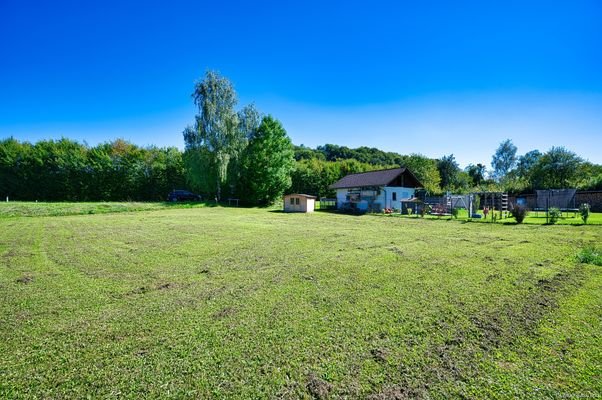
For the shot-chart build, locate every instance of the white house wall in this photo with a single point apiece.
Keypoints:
(341, 197)
(403, 193)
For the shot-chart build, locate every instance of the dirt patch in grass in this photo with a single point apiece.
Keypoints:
(396, 250)
(224, 313)
(380, 354)
(26, 279)
(502, 326)
(164, 286)
(397, 393)
(456, 358)
(318, 388)
(146, 289)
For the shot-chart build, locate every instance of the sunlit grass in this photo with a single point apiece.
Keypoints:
(212, 302)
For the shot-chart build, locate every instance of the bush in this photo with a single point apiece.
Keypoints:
(454, 212)
(590, 255)
(554, 214)
(584, 211)
(519, 213)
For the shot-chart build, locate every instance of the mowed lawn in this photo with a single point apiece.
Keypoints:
(251, 303)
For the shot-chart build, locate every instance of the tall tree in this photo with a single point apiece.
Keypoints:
(526, 163)
(448, 170)
(556, 169)
(269, 160)
(216, 128)
(476, 173)
(249, 118)
(503, 160)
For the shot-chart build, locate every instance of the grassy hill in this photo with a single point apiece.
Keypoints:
(249, 303)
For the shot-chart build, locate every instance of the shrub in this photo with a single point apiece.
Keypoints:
(584, 211)
(519, 213)
(590, 255)
(554, 214)
(454, 212)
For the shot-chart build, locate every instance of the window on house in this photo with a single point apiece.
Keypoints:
(292, 200)
(297, 201)
(394, 194)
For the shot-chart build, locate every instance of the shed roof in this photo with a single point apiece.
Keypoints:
(375, 178)
(309, 196)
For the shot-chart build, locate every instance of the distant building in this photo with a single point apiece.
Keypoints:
(376, 190)
(299, 203)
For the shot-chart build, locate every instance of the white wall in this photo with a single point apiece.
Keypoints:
(341, 197)
(403, 193)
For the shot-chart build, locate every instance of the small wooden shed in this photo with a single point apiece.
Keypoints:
(299, 203)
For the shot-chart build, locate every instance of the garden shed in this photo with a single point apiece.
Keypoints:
(299, 203)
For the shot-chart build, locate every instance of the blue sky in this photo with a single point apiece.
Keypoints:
(412, 77)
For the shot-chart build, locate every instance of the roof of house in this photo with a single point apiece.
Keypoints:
(374, 178)
(309, 196)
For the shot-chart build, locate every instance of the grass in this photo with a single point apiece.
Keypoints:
(42, 209)
(249, 303)
(590, 255)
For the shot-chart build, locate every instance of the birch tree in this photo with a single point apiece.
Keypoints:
(215, 134)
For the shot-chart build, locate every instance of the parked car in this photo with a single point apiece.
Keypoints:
(183, 195)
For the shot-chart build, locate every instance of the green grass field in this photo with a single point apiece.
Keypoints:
(31, 209)
(212, 302)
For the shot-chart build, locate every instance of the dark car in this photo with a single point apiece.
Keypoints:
(183, 195)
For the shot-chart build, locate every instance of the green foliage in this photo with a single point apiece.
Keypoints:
(554, 215)
(589, 176)
(584, 211)
(366, 155)
(67, 170)
(313, 176)
(557, 169)
(216, 133)
(590, 255)
(448, 170)
(476, 173)
(423, 167)
(519, 213)
(201, 172)
(305, 153)
(268, 162)
(503, 160)
(454, 212)
(425, 170)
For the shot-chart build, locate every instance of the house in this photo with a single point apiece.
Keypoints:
(376, 190)
(299, 203)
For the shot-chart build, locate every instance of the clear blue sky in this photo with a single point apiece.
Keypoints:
(428, 77)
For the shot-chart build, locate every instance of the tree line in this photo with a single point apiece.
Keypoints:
(245, 154)
(65, 170)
